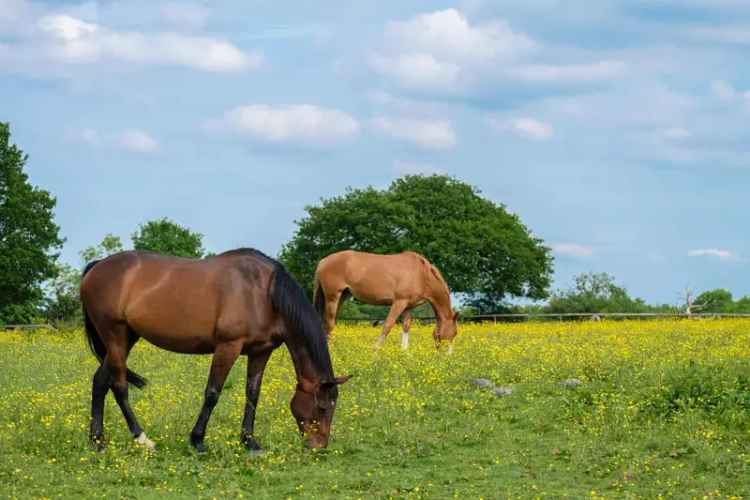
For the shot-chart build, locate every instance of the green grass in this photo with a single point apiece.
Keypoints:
(664, 409)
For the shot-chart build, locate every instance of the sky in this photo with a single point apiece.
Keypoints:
(616, 130)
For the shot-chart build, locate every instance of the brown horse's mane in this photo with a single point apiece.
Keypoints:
(289, 300)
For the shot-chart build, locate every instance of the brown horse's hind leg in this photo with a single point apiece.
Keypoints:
(112, 374)
(99, 389)
(256, 364)
(397, 308)
(224, 357)
(121, 341)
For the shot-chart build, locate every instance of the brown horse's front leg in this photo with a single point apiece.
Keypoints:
(256, 365)
(224, 357)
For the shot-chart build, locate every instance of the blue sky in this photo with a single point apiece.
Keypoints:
(615, 129)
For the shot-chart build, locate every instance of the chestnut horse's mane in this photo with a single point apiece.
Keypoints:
(289, 300)
(434, 271)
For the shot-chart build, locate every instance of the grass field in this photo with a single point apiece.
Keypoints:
(663, 410)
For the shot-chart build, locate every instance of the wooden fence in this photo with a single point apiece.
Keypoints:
(33, 326)
(515, 317)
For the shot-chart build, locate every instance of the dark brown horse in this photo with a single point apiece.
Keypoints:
(402, 280)
(239, 302)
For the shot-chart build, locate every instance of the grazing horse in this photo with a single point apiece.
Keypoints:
(403, 281)
(239, 302)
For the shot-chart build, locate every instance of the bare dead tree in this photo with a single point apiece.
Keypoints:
(689, 304)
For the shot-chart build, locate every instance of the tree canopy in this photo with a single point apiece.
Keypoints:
(594, 293)
(720, 300)
(169, 238)
(109, 245)
(484, 252)
(28, 235)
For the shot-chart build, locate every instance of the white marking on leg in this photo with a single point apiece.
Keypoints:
(143, 440)
(450, 348)
(404, 340)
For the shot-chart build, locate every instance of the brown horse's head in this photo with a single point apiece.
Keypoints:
(313, 406)
(446, 330)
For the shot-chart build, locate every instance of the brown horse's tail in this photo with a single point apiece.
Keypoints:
(319, 298)
(95, 342)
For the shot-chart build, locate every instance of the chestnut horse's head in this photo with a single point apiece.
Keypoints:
(313, 406)
(446, 330)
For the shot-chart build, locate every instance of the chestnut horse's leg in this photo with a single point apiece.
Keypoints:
(224, 357)
(397, 308)
(332, 307)
(256, 364)
(406, 319)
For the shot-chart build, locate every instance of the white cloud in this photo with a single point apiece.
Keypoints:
(712, 252)
(407, 167)
(675, 134)
(89, 136)
(428, 134)
(527, 128)
(573, 249)
(444, 52)
(185, 14)
(727, 93)
(13, 15)
(62, 40)
(418, 70)
(723, 90)
(137, 141)
(300, 123)
(571, 73)
(447, 34)
(731, 34)
(72, 40)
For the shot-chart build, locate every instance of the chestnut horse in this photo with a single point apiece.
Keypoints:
(403, 281)
(239, 302)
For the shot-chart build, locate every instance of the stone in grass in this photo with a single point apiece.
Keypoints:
(571, 382)
(483, 382)
(503, 390)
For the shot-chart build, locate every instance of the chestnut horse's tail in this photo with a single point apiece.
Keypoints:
(95, 342)
(319, 298)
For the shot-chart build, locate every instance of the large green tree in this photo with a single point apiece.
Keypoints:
(485, 253)
(167, 237)
(29, 236)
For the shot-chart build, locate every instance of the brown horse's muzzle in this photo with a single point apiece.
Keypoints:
(315, 435)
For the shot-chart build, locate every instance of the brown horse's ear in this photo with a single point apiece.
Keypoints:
(336, 381)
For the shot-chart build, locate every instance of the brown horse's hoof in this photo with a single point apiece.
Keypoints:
(98, 444)
(251, 445)
(198, 445)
